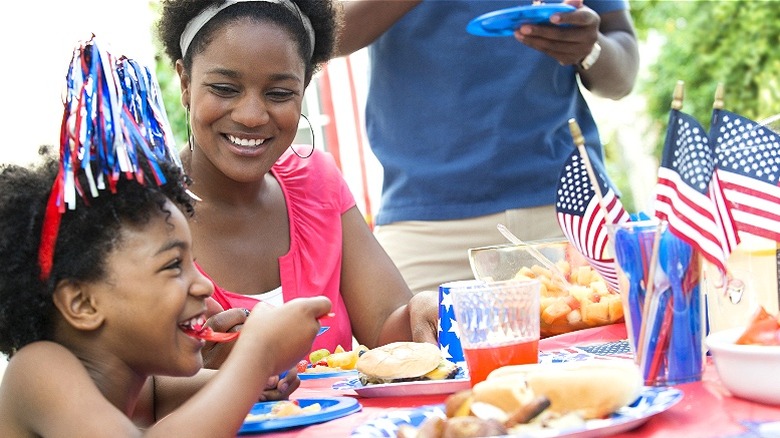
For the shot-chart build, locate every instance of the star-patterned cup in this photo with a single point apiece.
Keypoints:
(449, 335)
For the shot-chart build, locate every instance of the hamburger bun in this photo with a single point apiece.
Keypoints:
(399, 360)
(594, 388)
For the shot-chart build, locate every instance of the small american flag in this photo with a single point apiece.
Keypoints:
(688, 194)
(580, 214)
(747, 157)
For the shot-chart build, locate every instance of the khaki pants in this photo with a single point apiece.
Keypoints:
(429, 253)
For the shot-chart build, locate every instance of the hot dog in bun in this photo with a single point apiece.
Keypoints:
(594, 388)
(535, 399)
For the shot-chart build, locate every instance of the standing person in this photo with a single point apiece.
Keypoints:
(102, 304)
(277, 220)
(472, 131)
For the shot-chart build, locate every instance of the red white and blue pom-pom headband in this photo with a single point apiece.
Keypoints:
(113, 117)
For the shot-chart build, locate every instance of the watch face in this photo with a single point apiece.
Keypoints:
(503, 22)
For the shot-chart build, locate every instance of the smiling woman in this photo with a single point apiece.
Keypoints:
(275, 214)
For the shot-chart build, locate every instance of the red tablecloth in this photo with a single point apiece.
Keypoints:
(706, 410)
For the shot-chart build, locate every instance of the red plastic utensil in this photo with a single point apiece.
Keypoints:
(207, 334)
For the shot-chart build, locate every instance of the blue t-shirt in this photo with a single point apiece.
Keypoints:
(465, 125)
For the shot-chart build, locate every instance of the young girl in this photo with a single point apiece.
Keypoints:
(277, 221)
(100, 298)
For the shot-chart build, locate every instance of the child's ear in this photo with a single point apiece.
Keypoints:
(77, 305)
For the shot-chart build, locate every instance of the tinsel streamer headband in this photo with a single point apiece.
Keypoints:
(113, 117)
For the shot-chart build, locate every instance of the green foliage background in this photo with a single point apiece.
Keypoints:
(169, 83)
(734, 42)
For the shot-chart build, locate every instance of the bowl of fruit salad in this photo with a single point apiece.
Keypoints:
(582, 301)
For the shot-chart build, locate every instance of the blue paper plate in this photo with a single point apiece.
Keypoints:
(503, 22)
(651, 401)
(332, 408)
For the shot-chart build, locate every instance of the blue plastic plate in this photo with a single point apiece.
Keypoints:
(652, 401)
(503, 22)
(332, 408)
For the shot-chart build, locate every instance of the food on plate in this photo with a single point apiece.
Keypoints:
(587, 303)
(488, 409)
(285, 408)
(404, 362)
(323, 361)
(530, 399)
(764, 329)
(594, 388)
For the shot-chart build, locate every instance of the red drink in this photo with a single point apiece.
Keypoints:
(482, 360)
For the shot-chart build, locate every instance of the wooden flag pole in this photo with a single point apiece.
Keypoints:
(719, 92)
(579, 143)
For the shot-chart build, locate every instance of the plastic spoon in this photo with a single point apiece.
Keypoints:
(557, 274)
(675, 256)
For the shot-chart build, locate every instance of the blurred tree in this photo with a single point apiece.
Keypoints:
(734, 42)
(169, 83)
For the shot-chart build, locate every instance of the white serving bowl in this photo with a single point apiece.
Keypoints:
(751, 372)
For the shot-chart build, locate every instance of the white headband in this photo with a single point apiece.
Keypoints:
(207, 14)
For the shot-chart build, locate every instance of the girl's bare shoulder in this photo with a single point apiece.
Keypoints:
(38, 387)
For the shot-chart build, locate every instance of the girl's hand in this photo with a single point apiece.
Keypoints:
(286, 332)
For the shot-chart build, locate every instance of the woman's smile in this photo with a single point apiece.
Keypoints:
(251, 142)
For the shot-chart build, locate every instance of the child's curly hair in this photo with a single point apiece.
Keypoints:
(324, 16)
(86, 235)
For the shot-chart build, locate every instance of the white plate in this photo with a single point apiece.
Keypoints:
(652, 401)
(422, 387)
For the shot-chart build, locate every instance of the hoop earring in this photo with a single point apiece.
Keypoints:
(189, 132)
(311, 129)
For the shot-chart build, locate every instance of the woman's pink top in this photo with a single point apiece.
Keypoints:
(316, 196)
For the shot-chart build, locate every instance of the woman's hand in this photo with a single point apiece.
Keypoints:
(424, 316)
(280, 389)
(231, 320)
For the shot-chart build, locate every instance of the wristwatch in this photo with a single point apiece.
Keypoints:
(592, 57)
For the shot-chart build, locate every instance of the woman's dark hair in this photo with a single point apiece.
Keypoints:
(323, 14)
(86, 235)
